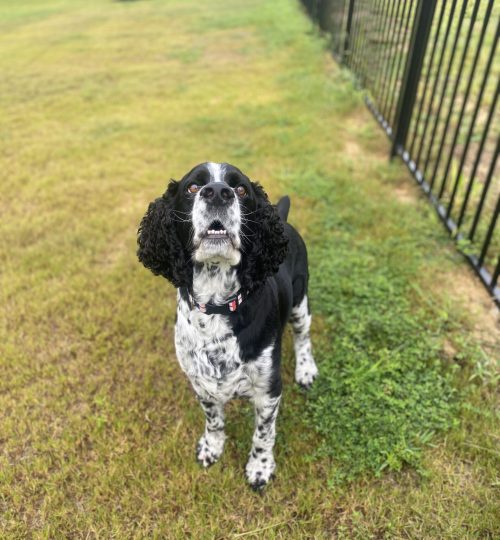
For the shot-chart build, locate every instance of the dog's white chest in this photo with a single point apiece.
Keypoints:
(209, 354)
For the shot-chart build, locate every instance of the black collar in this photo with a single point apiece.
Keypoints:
(229, 307)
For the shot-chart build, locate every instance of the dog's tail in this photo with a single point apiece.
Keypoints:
(283, 207)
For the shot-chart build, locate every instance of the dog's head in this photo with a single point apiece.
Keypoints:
(215, 214)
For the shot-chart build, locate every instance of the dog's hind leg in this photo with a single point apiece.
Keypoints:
(211, 444)
(305, 366)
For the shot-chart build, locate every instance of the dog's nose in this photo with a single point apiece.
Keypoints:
(217, 193)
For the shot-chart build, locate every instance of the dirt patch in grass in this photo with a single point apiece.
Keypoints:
(485, 315)
(479, 309)
(406, 193)
(229, 48)
(352, 148)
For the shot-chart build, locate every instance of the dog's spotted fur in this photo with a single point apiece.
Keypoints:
(238, 354)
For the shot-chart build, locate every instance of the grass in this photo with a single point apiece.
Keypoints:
(102, 102)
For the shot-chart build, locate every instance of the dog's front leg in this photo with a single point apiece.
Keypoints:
(261, 464)
(211, 444)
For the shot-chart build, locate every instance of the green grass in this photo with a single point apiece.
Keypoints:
(101, 103)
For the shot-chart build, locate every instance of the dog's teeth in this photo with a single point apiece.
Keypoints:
(214, 232)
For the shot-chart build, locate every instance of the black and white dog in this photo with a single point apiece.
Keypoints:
(241, 274)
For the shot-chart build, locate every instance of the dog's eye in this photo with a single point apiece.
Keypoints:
(193, 188)
(241, 191)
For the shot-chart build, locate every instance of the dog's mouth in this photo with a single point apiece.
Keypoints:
(216, 231)
(217, 243)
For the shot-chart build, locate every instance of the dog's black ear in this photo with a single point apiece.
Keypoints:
(160, 248)
(264, 243)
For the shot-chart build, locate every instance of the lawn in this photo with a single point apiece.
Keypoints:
(101, 103)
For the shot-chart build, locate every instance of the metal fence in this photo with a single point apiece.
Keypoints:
(432, 76)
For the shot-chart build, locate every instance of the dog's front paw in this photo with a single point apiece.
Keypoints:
(209, 450)
(305, 373)
(259, 470)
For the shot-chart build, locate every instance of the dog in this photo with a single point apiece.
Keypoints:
(241, 274)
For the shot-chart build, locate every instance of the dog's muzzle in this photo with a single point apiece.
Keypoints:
(216, 223)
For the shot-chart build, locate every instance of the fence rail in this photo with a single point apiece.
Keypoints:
(432, 79)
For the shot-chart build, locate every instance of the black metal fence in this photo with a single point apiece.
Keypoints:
(432, 79)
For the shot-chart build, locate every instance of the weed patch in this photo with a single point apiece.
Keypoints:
(384, 390)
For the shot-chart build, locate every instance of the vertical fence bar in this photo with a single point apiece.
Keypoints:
(371, 72)
(348, 29)
(484, 193)
(494, 279)
(340, 40)
(489, 234)
(356, 36)
(380, 59)
(409, 86)
(377, 42)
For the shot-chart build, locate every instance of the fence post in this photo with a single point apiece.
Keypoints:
(409, 85)
(348, 28)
